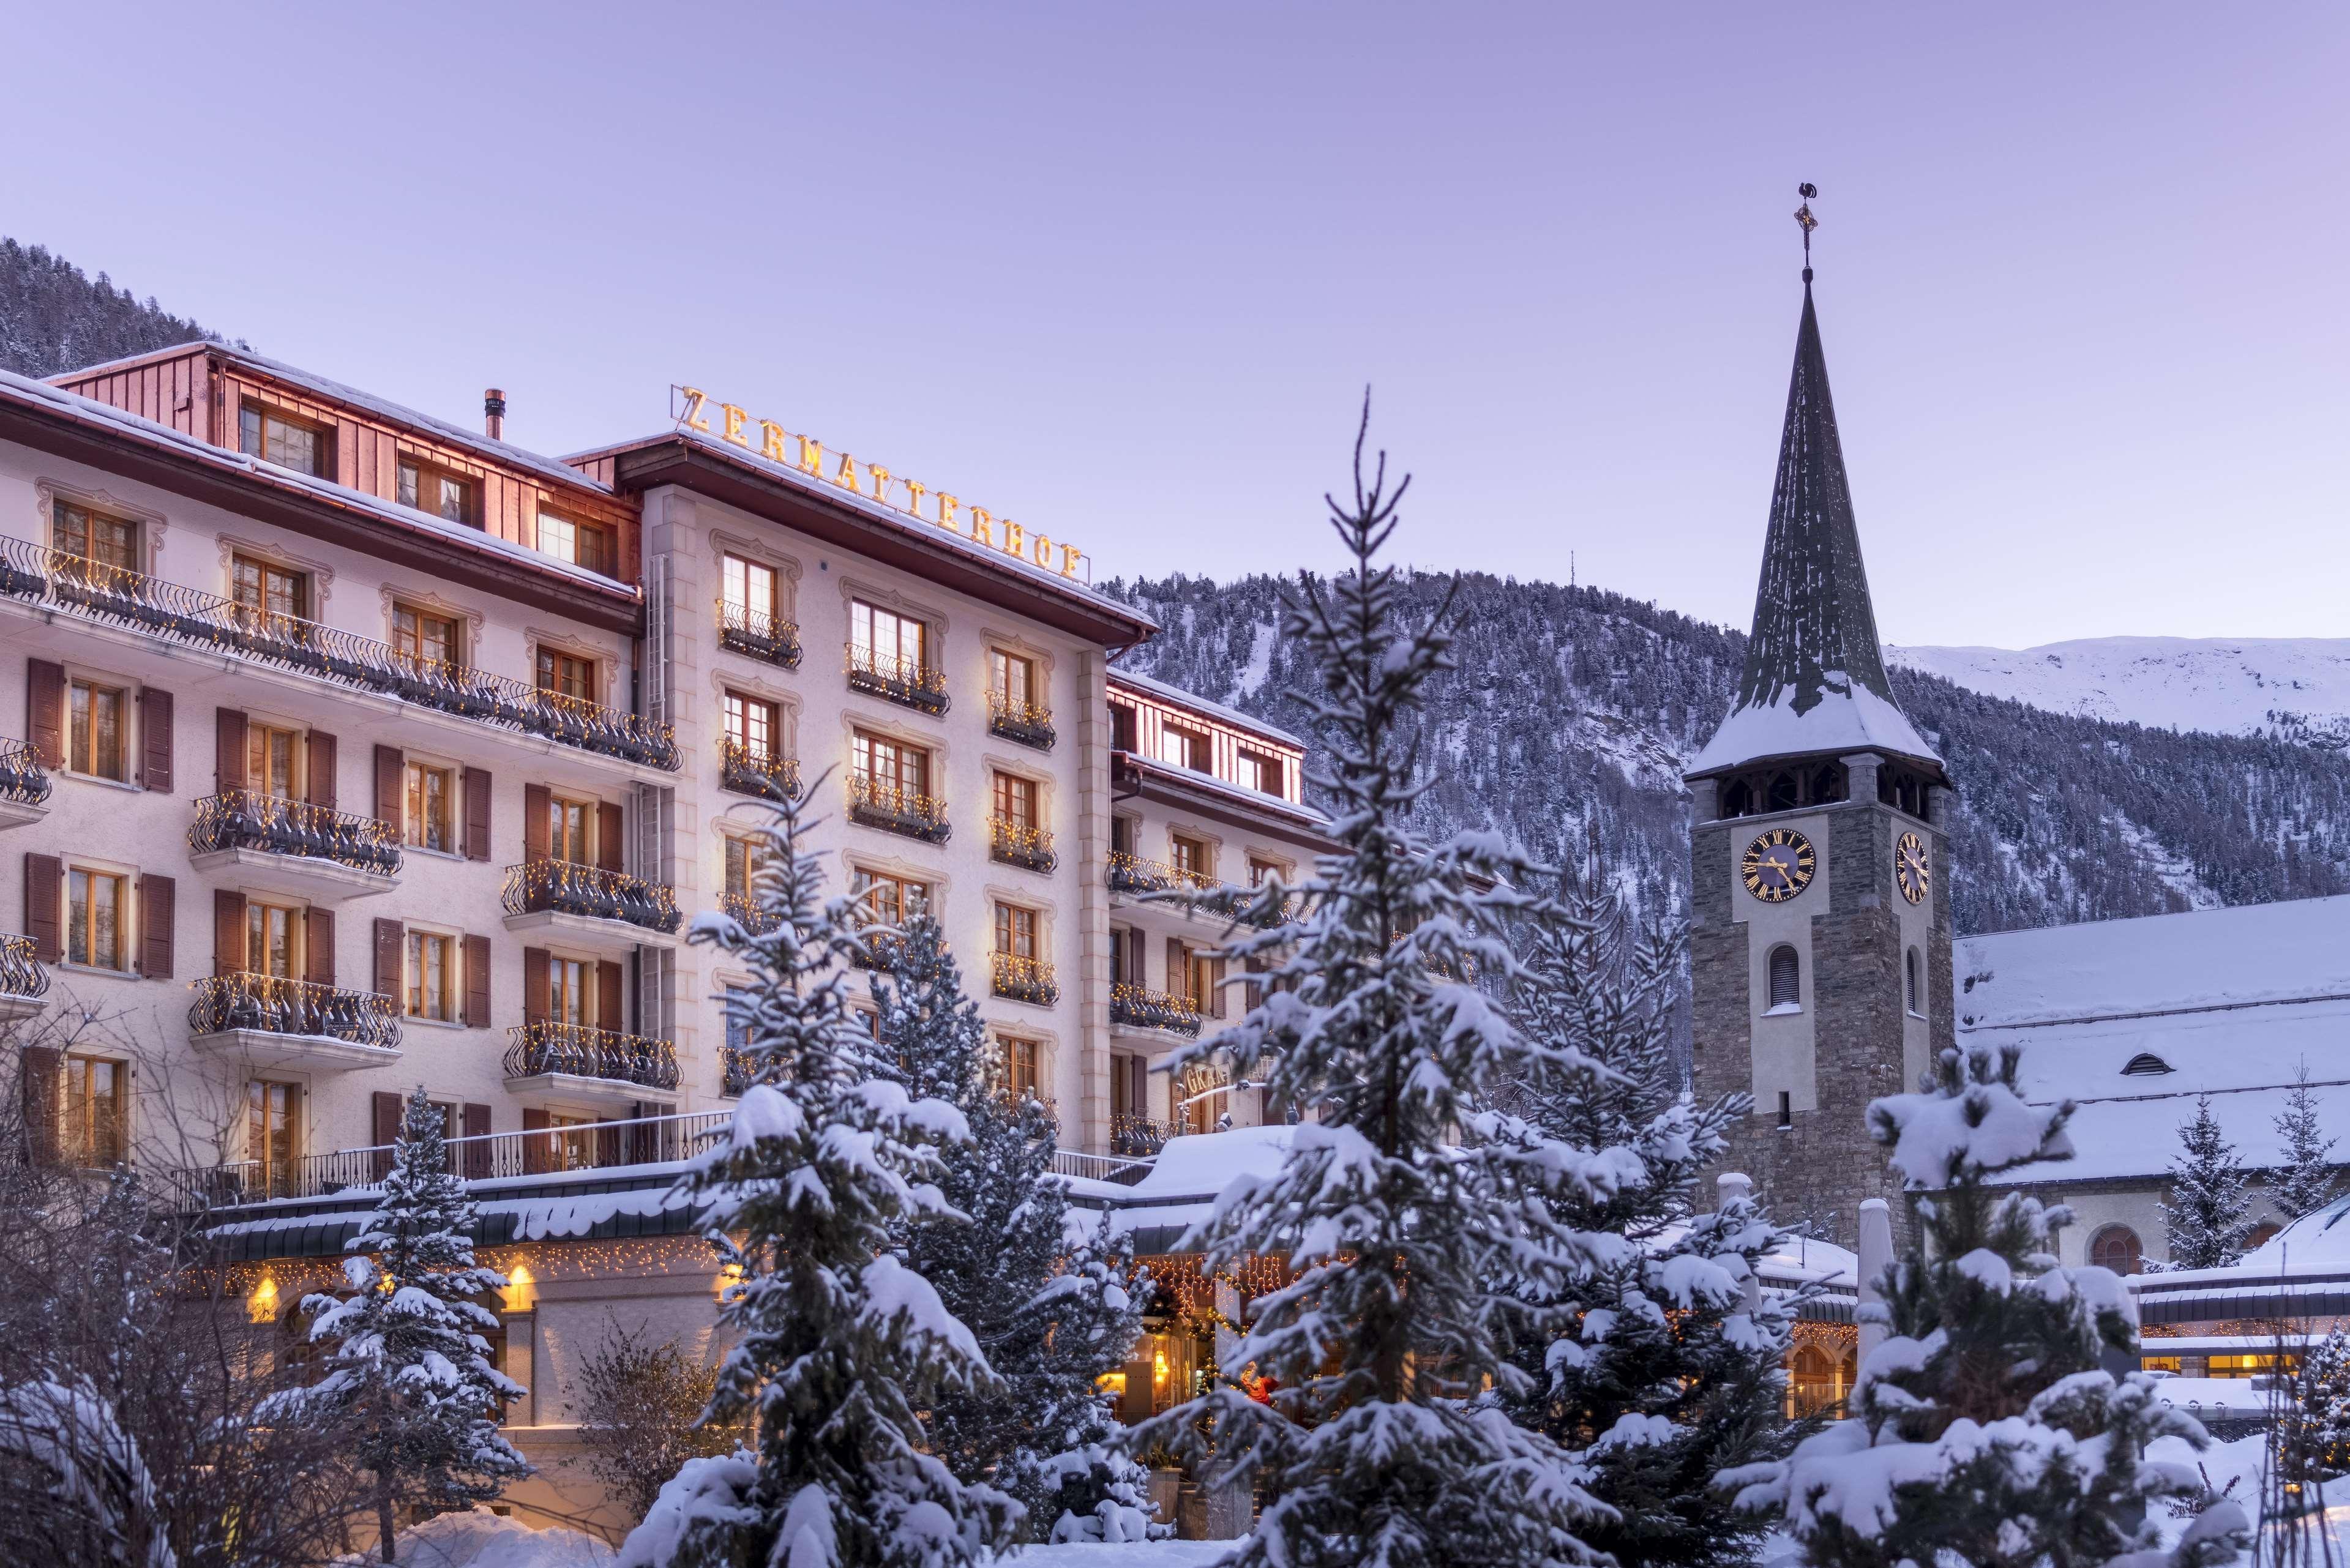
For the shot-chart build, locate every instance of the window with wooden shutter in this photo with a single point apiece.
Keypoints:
(390, 787)
(537, 1153)
(45, 709)
(318, 946)
(44, 877)
(228, 749)
(158, 903)
(477, 813)
(321, 762)
(155, 740)
(534, 984)
(476, 1125)
(608, 996)
(390, 939)
(388, 1108)
(228, 931)
(610, 844)
(477, 982)
(537, 807)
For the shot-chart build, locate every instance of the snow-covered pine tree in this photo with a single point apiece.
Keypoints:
(1983, 1429)
(1401, 1201)
(2324, 1386)
(1651, 1366)
(407, 1362)
(2305, 1181)
(1051, 1312)
(2206, 1210)
(839, 1342)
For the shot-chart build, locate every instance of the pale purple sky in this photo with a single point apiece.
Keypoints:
(1120, 271)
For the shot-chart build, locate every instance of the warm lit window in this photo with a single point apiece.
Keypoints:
(430, 821)
(272, 437)
(271, 939)
(891, 766)
(749, 587)
(263, 590)
(421, 635)
(891, 900)
(1019, 1061)
(581, 544)
(569, 823)
(96, 746)
(741, 864)
(1011, 680)
(886, 635)
(271, 1133)
(567, 673)
(97, 905)
(1015, 932)
(431, 976)
(1015, 800)
(2117, 1247)
(93, 536)
(269, 760)
(570, 987)
(93, 1105)
(1191, 855)
(427, 489)
(750, 723)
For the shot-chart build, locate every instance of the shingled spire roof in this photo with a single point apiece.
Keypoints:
(1815, 680)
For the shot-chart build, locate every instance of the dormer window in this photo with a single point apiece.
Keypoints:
(1261, 773)
(2144, 1064)
(275, 437)
(429, 489)
(581, 544)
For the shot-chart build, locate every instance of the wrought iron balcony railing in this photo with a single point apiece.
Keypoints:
(758, 634)
(1139, 1007)
(23, 778)
(1132, 874)
(1024, 980)
(1017, 844)
(21, 973)
(877, 804)
(1027, 723)
(567, 887)
(271, 1004)
(747, 913)
(878, 944)
(734, 1071)
(1139, 1138)
(575, 1049)
(185, 617)
(748, 771)
(249, 819)
(896, 679)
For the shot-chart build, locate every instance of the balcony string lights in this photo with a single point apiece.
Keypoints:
(905, 681)
(251, 819)
(568, 887)
(275, 1005)
(758, 634)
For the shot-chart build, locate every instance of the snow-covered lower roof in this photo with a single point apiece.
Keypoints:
(1307, 817)
(1166, 692)
(1848, 717)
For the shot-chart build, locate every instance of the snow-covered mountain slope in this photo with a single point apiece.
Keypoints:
(2295, 689)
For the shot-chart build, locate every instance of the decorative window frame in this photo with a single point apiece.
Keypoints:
(852, 721)
(127, 915)
(1214, 841)
(456, 937)
(939, 881)
(607, 660)
(1045, 658)
(788, 703)
(722, 542)
(134, 733)
(153, 525)
(1047, 794)
(320, 571)
(471, 620)
(935, 620)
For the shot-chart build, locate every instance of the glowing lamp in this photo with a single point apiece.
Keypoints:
(262, 1305)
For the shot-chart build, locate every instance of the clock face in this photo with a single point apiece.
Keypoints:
(1778, 865)
(1910, 868)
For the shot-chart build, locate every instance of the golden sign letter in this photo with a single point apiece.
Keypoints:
(1043, 551)
(1012, 539)
(983, 524)
(846, 475)
(914, 493)
(771, 447)
(880, 481)
(812, 456)
(1070, 556)
(734, 418)
(946, 510)
(693, 418)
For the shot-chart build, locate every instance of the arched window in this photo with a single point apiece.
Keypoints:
(2144, 1064)
(1786, 979)
(2117, 1248)
(1811, 1382)
(1910, 966)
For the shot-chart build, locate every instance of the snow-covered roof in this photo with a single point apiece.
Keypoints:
(1240, 795)
(1848, 716)
(1164, 691)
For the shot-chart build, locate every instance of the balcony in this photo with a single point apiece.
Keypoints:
(604, 907)
(24, 980)
(744, 910)
(893, 809)
(1140, 1137)
(184, 617)
(878, 944)
(1139, 1007)
(1132, 874)
(1024, 980)
(292, 847)
(573, 1062)
(1017, 844)
(758, 635)
(1025, 722)
(266, 1021)
(735, 1071)
(905, 681)
(24, 785)
(755, 772)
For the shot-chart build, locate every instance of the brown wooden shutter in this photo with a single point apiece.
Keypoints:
(158, 902)
(477, 1155)
(608, 996)
(611, 846)
(477, 813)
(45, 709)
(318, 946)
(1178, 983)
(155, 739)
(477, 982)
(45, 879)
(390, 787)
(388, 1110)
(322, 769)
(43, 1072)
(535, 804)
(537, 1153)
(1215, 997)
(228, 931)
(533, 985)
(228, 749)
(390, 944)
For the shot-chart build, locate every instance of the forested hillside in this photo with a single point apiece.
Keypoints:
(1574, 704)
(54, 317)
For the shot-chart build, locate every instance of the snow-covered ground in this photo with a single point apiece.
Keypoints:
(484, 1540)
(2232, 685)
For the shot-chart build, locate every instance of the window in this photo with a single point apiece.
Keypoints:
(891, 767)
(427, 489)
(1011, 680)
(2145, 1064)
(2117, 1247)
(1786, 980)
(424, 637)
(570, 985)
(96, 745)
(1815, 1383)
(94, 1106)
(430, 820)
(1182, 749)
(569, 823)
(431, 976)
(290, 443)
(1261, 773)
(97, 910)
(1015, 800)
(1192, 858)
(268, 595)
(892, 901)
(269, 761)
(1262, 871)
(1015, 932)
(749, 587)
(1786, 1109)
(1019, 1061)
(750, 723)
(270, 1133)
(581, 544)
(1121, 726)
(1916, 988)
(93, 536)
(1124, 831)
(567, 673)
(880, 634)
(741, 861)
(271, 939)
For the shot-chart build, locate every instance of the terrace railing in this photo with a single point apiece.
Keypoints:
(1025, 979)
(1028, 723)
(1139, 1138)
(272, 1004)
(758, 634)
(1132, 874)
(189, 618)
(23, 776)
(749, 771)
(879, 804)
(1114, 1167)
(567, 887)
(21, 973)
(1142, 1008)
(1018, 844)
(902, 681)
(575, 1049)
(747, 913)
(249, 819)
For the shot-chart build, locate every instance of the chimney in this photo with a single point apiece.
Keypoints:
(494, 414)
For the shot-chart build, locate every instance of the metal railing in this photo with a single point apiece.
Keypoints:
(1114, 1167)
(23, 776)
(1029, 724)
(746, 913)
(273, 1004)
(567, 888)
(897, 809)
(734, 1071)
(878, 944)
(903, 680)
(641, 1140)
(184, 616)
(22, 974)
(748, 771)
(1018, 844)
(1140, 1137)
(1023, 979)
(758, 634)
(546, 1046)
(1132, 874)
(250, 819)
(1139, 1007)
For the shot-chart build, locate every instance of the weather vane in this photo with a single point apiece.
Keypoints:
(1809, 192)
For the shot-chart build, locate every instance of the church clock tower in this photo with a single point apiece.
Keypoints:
(1820, 940)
